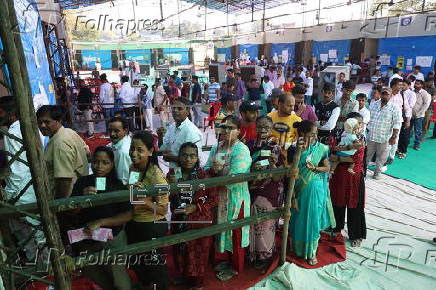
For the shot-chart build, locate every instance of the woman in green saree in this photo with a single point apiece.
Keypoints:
(312, 209)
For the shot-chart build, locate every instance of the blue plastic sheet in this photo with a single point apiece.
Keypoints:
(140, 55)
(178, 55)
(5, 68)
(35, 53)
(90, 57)
(251, 49)
(410, 48)
(342, 48)
(225, 50)
(279, 47)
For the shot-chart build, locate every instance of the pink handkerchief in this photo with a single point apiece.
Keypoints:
(101, 235)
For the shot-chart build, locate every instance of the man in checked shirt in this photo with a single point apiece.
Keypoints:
(383, 129)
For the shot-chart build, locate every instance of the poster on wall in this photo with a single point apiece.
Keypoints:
(385, 59)
(424, 61)
(285, 56)
(324, 57)
(333, 53)
(400, 62)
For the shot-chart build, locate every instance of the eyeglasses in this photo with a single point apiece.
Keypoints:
(189, 156)
(227, 128)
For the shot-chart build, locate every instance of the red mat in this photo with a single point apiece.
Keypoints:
(330, 250)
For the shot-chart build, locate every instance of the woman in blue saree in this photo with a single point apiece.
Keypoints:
(312, 209)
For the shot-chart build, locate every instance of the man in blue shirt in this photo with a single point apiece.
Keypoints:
(177, 80)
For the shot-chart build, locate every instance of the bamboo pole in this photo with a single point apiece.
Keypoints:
(70, 203)
(287, 208)
(146, 246)
(14, 55)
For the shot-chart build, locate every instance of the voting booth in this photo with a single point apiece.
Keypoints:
(331, 75)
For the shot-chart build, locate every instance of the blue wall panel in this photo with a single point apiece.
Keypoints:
(251, 49)
(141, 55)
(225, 50)
(342, 49)
(90, 57)
(35, 53)
(409, 47)
(279, 47)
(179, 55)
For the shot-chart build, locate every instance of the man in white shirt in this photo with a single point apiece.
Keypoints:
(341, 80)
(405, 113)
(397, 75)
(106, 96)
(423, 102)
(17, 180)
(161, 99)
(180, 132)
(127, 95)
(118, 130)
(268, 86)
(363, 111)
(309, 88)
(417, 73)
(404, 139)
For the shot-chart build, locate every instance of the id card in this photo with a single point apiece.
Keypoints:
(264, 162)
(265, 153)
(133, 177)
(178, 172)
(100, 183)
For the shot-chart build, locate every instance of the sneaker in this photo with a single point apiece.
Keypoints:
(376, 176)
(371, 163)
(417, 148)
(384, 168)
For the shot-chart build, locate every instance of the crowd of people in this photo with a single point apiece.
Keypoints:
(341, 133)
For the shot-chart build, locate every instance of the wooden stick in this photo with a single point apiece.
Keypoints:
(15, 59)
(189, 235)
(70, 203)
(287, 209)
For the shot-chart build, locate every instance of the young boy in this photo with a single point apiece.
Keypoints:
(363, 111)
(327, 112)
(249, 111)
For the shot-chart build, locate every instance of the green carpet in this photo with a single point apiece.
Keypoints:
(419, 166)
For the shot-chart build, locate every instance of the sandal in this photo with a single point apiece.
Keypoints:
(312, 262)
(223, 266)
(226, 275)
(401, 155)
(356, 243)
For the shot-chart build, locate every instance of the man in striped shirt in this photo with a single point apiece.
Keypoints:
(213, 90)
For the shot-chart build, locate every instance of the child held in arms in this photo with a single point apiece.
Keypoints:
(349, 137)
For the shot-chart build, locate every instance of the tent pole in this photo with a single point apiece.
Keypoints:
(14, 55)
(287, 209)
